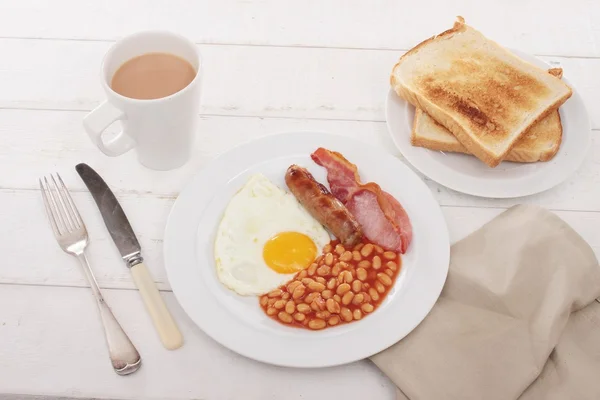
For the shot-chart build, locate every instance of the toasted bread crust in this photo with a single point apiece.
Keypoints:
(459, 25)
(516, 154)
(471, 143)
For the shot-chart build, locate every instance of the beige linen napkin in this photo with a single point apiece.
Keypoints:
(516, 319)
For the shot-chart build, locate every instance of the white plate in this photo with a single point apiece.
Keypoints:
(238, 322)
(465, 173)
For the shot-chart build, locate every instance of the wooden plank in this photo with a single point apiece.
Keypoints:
(48, 265)
(540, 26)
(53, 345)
(35, 143)
(287, 82)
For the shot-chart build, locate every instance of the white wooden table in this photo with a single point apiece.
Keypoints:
(269, 66)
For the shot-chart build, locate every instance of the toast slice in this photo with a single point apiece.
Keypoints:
(540, 143)
(486, 96)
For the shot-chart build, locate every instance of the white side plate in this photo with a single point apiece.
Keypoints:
(238, 322)
(465, 173)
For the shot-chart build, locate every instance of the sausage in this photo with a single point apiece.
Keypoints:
(323, 206)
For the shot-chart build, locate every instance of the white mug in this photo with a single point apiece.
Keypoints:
(161, 130)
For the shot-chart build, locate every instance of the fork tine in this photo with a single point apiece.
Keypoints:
(69, 224)
(74, 212)
(62, 228)
(51, 217)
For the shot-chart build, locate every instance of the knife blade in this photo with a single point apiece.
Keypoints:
(124, 238)
(113, 215)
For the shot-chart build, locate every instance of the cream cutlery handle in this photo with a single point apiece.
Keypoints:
(123, 354)
(163, 321)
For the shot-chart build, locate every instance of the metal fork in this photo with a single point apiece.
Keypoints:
(72, 237)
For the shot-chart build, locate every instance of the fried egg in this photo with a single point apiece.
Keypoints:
(265, 238)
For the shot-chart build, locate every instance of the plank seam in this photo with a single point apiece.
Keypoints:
(291, 46)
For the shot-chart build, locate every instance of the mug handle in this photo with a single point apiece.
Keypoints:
(96, 122)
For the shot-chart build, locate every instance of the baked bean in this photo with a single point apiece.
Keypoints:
(327, 294)
(323, 270)
(391, 265)
(275, 293)
(366, 297)
(380, 288)
(279, 304)
(346, 256)
(359, 298)
(319, 302)
(346, 314)
(358, 246)
(376, 262)
(343, 288)
(327, 248)
(323, 314)
(322, 280)
(366, 264)
(361, 274)
(339, 249)
(298, 291)
(356, 286)
(316, 286)
(285, 296)
(303, 308)
(378, 249)
(299, 317)
(271, 302)
(302, 274)
(332, 306)
(331, 283)
(293, 285)
(389, 255)
(374, 295)
(389, 272)
(312, 269)
(336, 269)
(347, 298)
(366, 250)
(316, 324)
(345, 277)
(306, 281)
(337, 298)
(264, 300)
(334, 320)
(285, 317)
(290, 307)
(367, 308)
(383, 278)
(309, 298)
(357, 314)
(356, 256)
(271, 311)
(328, 258)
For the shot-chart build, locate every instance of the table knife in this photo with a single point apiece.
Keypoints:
(124, 238)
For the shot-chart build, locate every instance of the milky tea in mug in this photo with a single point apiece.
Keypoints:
(152, 84)
(152, 76)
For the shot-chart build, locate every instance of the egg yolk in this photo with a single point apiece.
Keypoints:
(289, 252)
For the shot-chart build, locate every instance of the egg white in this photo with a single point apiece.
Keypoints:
(256, 213)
